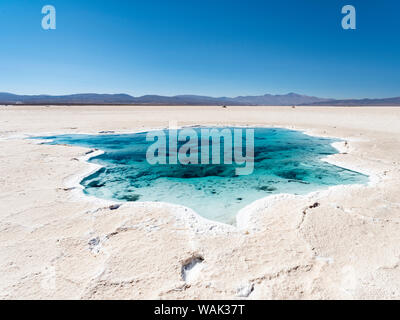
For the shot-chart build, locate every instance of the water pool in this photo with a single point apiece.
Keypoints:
(285, 161)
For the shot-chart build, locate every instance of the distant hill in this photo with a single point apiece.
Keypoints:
(125, 99)
(278, 100)
(93, 98)
(85, 98)
(360, 102)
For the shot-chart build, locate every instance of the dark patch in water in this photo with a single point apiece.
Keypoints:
(266, 188)
(292, 174)
(96, 184)
(131, 197)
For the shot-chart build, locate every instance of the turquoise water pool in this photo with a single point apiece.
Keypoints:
(285, 161)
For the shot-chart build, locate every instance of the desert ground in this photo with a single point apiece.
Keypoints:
(56, 243)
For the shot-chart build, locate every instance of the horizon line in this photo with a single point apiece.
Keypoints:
(198, 95)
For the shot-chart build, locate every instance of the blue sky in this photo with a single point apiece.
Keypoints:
(207, 47)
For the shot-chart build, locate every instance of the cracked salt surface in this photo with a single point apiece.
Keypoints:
(191, 270)
(245, 290)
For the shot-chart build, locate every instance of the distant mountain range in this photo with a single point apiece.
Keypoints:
(125, 99)
(361, 102)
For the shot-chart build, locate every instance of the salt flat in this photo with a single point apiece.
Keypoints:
(56, 243)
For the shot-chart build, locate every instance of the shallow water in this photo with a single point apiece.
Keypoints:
(285, 161)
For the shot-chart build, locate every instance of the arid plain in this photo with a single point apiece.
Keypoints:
(56, 243)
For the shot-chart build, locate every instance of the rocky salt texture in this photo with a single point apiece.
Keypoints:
(56, 243)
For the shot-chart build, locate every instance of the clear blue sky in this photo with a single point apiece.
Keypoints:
(207, 47)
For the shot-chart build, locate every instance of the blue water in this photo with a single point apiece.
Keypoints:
(285, 161)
